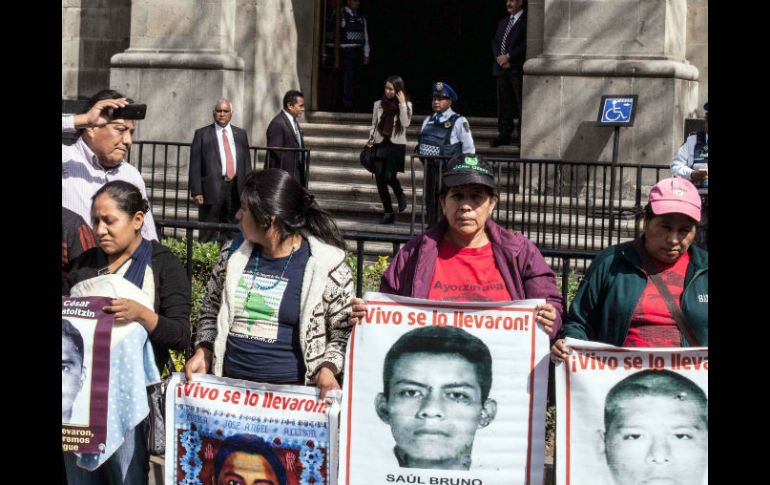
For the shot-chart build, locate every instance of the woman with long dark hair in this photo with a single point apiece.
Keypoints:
(152, 290)
(277, 305)
(391, 115)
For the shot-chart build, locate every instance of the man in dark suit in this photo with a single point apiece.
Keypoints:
(509, 48)
(219, 161)
(283, 131)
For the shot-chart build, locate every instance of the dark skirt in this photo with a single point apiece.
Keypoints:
(393, 153)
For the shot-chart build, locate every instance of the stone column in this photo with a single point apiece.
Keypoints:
(595, 47)
(92, 31)
(181, 59)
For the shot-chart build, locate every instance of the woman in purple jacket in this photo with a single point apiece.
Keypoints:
(467, 256)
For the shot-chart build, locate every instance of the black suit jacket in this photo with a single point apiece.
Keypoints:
(515, 45)
(281, 134)
(206, 163)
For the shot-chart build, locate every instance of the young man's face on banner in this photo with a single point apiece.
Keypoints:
(72, 375)
(434, 409)
(658, 440)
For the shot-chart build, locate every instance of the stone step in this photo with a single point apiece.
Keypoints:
(366, 119)
(361, 131)
(402, 227)
(349, 155)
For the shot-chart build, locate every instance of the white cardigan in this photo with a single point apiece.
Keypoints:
(324, 328)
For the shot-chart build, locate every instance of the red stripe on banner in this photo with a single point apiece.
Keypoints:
(567, 423)
(350, 401)
(531, 396)
(437, 304)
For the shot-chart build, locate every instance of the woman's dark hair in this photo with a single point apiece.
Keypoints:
(398, 85)
(126, 195)
(273, 192)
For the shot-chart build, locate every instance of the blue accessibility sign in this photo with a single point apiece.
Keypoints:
(617, 110)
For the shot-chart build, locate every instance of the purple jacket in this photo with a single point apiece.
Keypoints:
(521, 265)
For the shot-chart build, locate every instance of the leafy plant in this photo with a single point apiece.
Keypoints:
(204, 257)
(572, 286)
(372, 271)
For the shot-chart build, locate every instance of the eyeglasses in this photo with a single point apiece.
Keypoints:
(221, 111)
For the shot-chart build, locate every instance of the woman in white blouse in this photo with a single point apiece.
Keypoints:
(391, 115)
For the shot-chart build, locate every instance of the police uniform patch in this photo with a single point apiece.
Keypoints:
(447, 124)
(465, 126)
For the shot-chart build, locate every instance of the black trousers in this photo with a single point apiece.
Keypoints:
(352, 59)
(222, 211)
(432, 168)
(509, 86)
(385, 176)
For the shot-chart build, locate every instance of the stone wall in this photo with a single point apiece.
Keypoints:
(183, 55)
(595, 47)
(697, 47)
(92, 31)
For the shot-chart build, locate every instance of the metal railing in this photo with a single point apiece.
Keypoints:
(167, 165)
(557, 204)
(560, 204)
(566, 257)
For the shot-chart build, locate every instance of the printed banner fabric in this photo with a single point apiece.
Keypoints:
(632, 416)
(219, 429)
(444, 392)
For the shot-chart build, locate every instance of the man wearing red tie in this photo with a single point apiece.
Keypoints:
(509, 48)
(219, 161)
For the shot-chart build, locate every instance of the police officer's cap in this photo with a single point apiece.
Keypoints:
(444, 90)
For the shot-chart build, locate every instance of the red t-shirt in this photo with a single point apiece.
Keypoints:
(651, 323)
(467, 274)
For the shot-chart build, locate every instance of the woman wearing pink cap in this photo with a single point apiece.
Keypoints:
(652, 292)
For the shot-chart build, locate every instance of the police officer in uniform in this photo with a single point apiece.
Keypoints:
(444, 134)
(691, 162)
(354, 49)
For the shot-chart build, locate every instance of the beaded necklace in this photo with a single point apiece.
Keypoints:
(275, 283)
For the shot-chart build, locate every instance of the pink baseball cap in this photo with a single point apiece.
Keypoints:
(675, 195)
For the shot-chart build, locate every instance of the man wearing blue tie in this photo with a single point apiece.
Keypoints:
(509, 48)
(444, 134)
(283, 131)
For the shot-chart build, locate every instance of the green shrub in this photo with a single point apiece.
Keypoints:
(372, 271)
(204, 257)
(572, 286)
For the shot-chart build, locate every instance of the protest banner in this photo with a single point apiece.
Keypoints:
(632, 416)
(444, 392)
(85, 373)
(127, 359)
(219, 428)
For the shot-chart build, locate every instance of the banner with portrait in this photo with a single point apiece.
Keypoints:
(128, 361)
(632, 415)
(444, 392)
(220, 429)
(86, 332)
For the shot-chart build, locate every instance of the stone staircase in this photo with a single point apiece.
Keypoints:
(344, 188)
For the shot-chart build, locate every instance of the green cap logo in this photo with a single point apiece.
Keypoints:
(471, 161)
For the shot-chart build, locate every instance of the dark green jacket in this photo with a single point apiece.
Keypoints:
(610, 290)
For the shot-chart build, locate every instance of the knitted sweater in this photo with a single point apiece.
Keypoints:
(327, 287)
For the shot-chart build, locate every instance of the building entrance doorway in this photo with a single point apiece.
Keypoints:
(423, 41)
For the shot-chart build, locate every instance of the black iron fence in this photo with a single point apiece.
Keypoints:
(167, 166)
(562, 260)
(559, 204)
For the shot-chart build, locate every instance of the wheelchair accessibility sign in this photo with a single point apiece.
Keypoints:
(617, 110)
